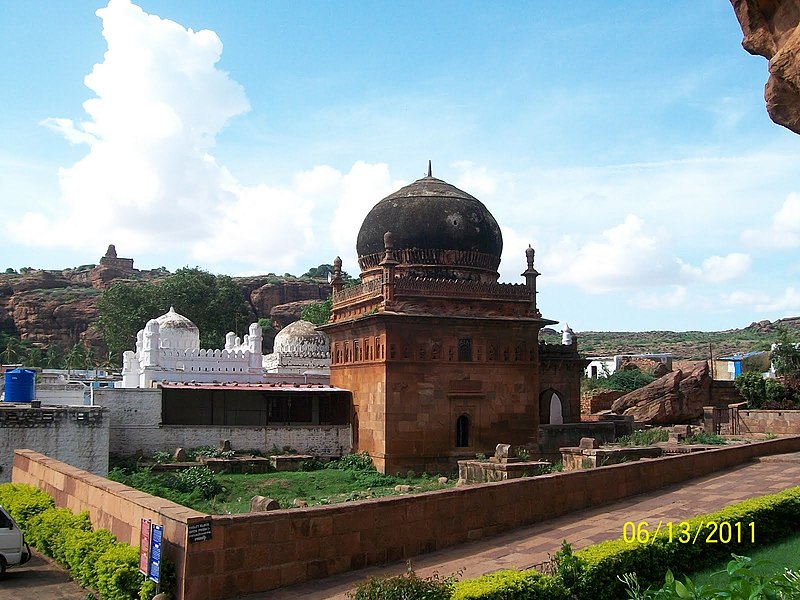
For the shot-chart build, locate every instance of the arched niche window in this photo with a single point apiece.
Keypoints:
(462, 432)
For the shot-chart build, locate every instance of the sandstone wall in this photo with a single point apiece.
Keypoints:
(779, 422)
(56, 431)
(257, 552)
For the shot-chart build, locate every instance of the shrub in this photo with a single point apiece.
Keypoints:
(743, 584)
(24, 502)
(711, 439)
(47, 531)
(162, 457)
(118, 576)
(592, 572)
(645, 437)
(511, 585)
(405, 587)
(83, 549)
(353, 462)
(200, 479)
(753, 388)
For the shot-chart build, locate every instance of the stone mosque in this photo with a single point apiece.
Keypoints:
(442, 360)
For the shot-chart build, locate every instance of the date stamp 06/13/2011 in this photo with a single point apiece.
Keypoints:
(685, 532)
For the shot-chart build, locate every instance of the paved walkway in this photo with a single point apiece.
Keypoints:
(525, 547)
(518, 549)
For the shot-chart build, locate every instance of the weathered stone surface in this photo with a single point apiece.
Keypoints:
(674, 398)
(286, 314)
(180, 455)
(402, 488)
(225, 446)
(771, 30)
(299, 503)
(262, 504)
(588, 443)
(502, 450)
(442, 480)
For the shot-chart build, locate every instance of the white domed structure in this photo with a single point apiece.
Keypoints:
(177, 331)
(168, 349)
(300, 348)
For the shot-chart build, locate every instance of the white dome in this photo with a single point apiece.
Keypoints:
(301, 337)
(178, 332)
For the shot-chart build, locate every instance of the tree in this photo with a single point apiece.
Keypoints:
(124, 310)
(214, 303)
(786, 355)
(319, 312)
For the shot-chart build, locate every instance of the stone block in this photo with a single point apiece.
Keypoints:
(588, 443)
(262, 504)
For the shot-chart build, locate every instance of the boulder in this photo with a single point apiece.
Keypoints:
(262, 504)
(674, 398)
(770, 30)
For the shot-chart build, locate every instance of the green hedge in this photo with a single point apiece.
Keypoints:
(94, 558)
(511, 585)
(598, 566)
(24, 501)
(593, 572)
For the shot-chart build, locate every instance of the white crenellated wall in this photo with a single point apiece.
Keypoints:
(170, 353)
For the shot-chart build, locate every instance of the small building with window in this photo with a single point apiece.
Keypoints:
(441, 359)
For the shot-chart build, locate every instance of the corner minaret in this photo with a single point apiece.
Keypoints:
(530, 276)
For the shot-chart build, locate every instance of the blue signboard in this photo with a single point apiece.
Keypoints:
(155, 552)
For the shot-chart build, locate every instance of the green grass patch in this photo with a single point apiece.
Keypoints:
(233, 491)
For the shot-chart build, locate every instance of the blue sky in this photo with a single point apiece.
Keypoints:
(626, 141)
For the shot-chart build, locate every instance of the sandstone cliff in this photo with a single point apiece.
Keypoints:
(771, 30)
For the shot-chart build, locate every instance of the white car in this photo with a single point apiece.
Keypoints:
(14, 550)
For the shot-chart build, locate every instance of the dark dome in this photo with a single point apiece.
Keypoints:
(431, 214)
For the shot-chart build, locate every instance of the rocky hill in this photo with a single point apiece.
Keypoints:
(684, 345)
(59, 307)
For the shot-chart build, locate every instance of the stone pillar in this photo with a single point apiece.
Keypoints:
(336, 281)
(388, 263)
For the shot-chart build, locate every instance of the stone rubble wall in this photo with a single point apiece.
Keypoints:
(56, 431)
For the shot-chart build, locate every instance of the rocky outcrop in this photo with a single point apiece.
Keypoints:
(59, 307)
(264, 296)
(771, 30)
(674, 398)
(285, 314)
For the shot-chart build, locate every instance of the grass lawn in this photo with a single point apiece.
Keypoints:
(234, 491)
(776, 556)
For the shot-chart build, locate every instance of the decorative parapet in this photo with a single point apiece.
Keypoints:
(450, 288)
(359, 292)
(450, 258)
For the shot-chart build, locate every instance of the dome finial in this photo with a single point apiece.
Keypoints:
(430, 172)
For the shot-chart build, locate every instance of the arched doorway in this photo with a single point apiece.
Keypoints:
(553, 410)
(556, 417)
(462, 431)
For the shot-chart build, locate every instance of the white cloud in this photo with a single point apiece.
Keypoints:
(784, 231)
(675, 296)
(787, 302)
(473, 179)
(631, 255)
(149, 181)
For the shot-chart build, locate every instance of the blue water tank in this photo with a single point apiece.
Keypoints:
(20, 385)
